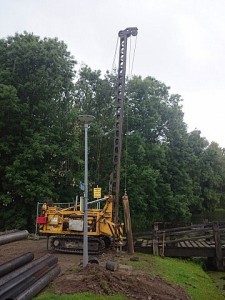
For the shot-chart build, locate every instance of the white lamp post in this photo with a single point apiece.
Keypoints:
(86, 120)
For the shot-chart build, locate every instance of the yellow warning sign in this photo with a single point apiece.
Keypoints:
(97, 193)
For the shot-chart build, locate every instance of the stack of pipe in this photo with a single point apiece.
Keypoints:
(23, 278)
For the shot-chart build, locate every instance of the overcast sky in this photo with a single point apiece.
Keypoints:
(180, 42)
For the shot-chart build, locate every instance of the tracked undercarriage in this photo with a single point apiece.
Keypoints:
(74, 244)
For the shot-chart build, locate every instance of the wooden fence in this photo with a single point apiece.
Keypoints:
(202, 240)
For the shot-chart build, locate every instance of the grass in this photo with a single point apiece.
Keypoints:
(219, 279)
(198, 284)
(189, 275)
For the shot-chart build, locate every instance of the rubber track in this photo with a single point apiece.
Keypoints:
(77, 251)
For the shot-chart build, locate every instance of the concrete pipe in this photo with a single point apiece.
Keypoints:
(15, 263)
(14, 236)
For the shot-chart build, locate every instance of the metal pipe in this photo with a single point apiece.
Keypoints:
(36, 225)
(85, 119)
(8, 231)
(39, 285)
(16, 263)
(12, 237)
(13, 293)
(19, 271)
(97, 201)
(10, 285)
(85, 233)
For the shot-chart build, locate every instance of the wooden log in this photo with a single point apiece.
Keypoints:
(187, 232)
(178, 231)
(186, 239)
(127, 220)
(191, 227)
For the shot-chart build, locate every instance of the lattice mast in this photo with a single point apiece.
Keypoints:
(120, 91)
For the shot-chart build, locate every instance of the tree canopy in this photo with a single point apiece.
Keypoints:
(169, 173)
(38, 143)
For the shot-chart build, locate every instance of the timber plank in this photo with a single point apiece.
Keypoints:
(205, 244)
(183, 245)
(144, 243)
(189, 245)
(199, 244)
(149, 242)
(187, 239)
(193, 244)
(211, 244)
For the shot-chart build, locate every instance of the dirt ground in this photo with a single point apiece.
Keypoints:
(95, 277)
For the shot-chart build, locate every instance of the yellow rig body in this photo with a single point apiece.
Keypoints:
(65, 226)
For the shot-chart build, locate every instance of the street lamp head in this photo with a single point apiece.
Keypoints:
(86, 119)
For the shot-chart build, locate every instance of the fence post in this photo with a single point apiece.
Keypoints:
(219, 255)
(155, 245)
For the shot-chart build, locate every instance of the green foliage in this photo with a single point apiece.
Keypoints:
(37, 124)
(156, 117)
(187, 174)
(169, 174)
(95, 96)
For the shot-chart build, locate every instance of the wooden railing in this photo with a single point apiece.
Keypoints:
(201, 239)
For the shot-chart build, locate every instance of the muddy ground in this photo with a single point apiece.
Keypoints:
(95, 277)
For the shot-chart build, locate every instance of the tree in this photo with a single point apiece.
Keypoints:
(169, 173)
(39, 150)
(157, 116)
(95, 96)
(196, 148)
(212, 177)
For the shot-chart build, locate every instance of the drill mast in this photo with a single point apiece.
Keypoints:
(120, 91)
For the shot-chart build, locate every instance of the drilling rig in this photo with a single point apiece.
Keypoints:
(120, 91)
(65, 224)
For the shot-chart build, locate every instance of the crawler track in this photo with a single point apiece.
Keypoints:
(74, 244)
